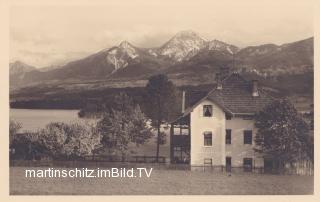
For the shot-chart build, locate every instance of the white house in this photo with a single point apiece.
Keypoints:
(219, 129)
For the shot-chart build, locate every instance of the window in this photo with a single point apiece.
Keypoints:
(207, 110)
(247, 164)
(247, 137)
(228, 116)
(248, 117)
(207, 161)
(228, 136)
(184, 131)
(180, 154)
(207, 136)
(181, 130)
(228, 164)
(177, 149)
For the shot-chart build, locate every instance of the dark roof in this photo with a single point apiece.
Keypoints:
(235, 97)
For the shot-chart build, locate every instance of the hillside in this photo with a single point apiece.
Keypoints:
(185, 54)
(296, 57)
(186, 58)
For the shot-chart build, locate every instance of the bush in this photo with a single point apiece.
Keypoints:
(14, 127)
(27, 146)
(57, 139)
(69, 140)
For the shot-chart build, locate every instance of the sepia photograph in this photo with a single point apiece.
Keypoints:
(161, 98)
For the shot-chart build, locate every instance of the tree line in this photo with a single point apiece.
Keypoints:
(282, 134)
(119, 124)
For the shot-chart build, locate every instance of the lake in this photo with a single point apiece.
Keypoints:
(33, 119)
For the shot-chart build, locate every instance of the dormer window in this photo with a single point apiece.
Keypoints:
(228, 116)
(207, 110)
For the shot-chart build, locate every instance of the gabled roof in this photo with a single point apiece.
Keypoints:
(235, 97)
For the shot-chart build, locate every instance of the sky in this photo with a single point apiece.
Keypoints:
(44, 35)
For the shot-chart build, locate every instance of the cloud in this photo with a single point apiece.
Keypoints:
(45, 35)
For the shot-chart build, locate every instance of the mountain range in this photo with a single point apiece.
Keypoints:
(186, 56)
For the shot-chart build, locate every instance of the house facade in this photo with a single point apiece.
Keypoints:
(219, 129)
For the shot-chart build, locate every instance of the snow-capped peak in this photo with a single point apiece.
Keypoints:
(125, 44)
(119, 56)
(128, 49)
(183, 45)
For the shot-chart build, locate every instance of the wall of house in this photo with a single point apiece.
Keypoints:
(200, 124)
(237, 150)
(218, 152)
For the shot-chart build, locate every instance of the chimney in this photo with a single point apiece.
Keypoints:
(255, 92)
(183, 101)
(218, 79)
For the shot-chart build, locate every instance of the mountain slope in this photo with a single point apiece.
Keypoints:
(184, 56)
(17, 72)
(296, 57)
(222, 46)
(104, 64)
(20, 68)
(263, 61)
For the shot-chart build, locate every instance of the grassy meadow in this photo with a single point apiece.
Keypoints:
(163, 182)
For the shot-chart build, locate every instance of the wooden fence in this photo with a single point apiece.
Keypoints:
(132, 159)
(303, 167)
(300, 168)
(92, 158)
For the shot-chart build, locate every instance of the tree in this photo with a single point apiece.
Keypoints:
(82, 139)
(14, 127)
(24, 146)
(125, 123)
(53, 137)
(282, 134)
(162, 101)
(27, 146)
(74, 139)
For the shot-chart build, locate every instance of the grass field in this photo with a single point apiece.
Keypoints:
(162, 182)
